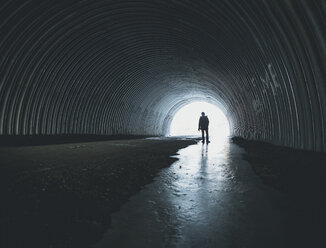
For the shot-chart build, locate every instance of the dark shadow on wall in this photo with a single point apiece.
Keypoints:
(37, 140)
(300, 176)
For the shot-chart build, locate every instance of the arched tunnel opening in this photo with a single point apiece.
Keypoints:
(185, 121)
(89, 90)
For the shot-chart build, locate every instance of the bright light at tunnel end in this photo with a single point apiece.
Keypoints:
(185, 121)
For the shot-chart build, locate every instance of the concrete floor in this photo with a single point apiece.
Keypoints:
(62, 195)
(68, 195)
(210, 197)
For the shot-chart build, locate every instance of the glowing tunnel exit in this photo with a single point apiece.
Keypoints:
(185, 121)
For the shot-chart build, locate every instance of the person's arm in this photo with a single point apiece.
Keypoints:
(199, 124)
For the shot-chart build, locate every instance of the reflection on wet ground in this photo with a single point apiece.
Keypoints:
(210, 197)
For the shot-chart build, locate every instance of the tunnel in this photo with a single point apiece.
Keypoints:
(126, 67)
(109, 68)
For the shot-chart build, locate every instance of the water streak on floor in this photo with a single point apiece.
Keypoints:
(210, 197)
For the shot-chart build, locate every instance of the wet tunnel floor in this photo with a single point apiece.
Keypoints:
(210, 197)
(64, 195)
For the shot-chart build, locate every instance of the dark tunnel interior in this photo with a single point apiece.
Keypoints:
(88, 92)
(126, 67)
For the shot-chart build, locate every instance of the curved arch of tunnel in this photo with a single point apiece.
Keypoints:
(104, 67)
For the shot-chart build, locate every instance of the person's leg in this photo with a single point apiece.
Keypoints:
(207, 139)
(202, 135)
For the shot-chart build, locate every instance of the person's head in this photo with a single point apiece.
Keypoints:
(203, 113)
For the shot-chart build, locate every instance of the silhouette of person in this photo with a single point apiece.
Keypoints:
(203, 126)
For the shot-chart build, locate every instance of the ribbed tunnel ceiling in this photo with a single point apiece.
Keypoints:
(125, 67)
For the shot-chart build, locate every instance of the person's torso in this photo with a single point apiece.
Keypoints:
(204, 121)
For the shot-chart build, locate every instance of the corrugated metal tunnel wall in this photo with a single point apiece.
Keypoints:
(125, 67)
